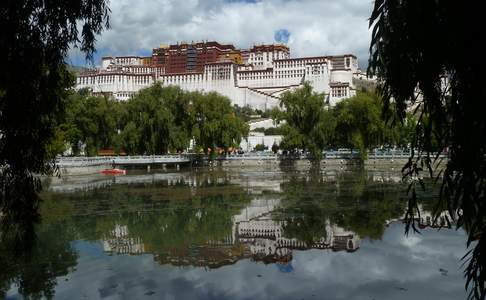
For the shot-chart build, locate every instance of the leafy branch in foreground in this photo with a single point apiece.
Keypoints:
(34, 42)
(428, 55)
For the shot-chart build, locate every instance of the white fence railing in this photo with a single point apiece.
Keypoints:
(120, 160)
(168, 159)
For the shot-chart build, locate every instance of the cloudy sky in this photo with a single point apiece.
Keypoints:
(309, 27)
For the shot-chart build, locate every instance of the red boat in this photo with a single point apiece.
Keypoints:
(114, 171)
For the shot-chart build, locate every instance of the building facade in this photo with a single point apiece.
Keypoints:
(255, 77)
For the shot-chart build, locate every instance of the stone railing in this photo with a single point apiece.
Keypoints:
(120, 160)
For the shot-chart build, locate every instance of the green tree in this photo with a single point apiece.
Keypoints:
(154, 121)
(308, 124)
(260, 147)
(34, 42)
(400, 133)
(359, 123)
(275, 148)
(91, 121)
(215, 122)
(428, 54)
(157, 120)
(130, 139)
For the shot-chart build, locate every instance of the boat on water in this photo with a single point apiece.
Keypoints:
(114, 171)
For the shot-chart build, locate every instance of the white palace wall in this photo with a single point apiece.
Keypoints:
(243, 85)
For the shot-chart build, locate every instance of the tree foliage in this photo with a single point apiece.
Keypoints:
(157, 120)
(360, 125)
(356, 122)
(306, 121)
(428, 54)
(314, 203)
(90, 122)
(35, 37)
(215, 122)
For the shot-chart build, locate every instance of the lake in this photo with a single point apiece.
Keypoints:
(234, 234)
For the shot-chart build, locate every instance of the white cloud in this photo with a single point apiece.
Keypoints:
(316, 27)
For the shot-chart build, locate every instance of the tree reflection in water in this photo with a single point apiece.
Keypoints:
(206, 220)
(352, 200)
(34, 271)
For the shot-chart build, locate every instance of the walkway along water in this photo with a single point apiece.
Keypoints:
(93, 165)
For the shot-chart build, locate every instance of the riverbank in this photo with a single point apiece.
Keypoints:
(75, 166)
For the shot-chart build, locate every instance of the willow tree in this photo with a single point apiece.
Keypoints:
(157, 120)
(91, 121)
(34, 42)
(308, 124)
(430, 55)
(215, 122)
(358, 123)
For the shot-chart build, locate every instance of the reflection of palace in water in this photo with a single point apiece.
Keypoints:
(267, 242)
(255, 235)
(257, 232)
(118, 242)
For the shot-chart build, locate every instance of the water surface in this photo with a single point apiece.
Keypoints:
(233, 234)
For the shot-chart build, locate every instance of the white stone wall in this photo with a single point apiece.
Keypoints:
(344, 76)
(340, 92)
(318, 76)
(221, 78)
(108, 61)
(116, 83)
(351, 62)
(266, 123)
(263, 60)
(256, 78)
(257, 87)
(248, 144)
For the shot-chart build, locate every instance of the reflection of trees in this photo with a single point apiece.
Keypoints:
(168, 217)
(197, 222)
(35, 271)
(190, 222)
(350, 200)
(174, 219)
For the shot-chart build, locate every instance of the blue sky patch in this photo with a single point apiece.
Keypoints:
(282, 36)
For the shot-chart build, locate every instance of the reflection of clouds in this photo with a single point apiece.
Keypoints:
(395, 267)
(419, 251)
(383, 269)
(410, 241)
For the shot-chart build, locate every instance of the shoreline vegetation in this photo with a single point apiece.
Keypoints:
(160, 120)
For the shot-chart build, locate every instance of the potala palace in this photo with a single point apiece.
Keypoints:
(253, 77)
